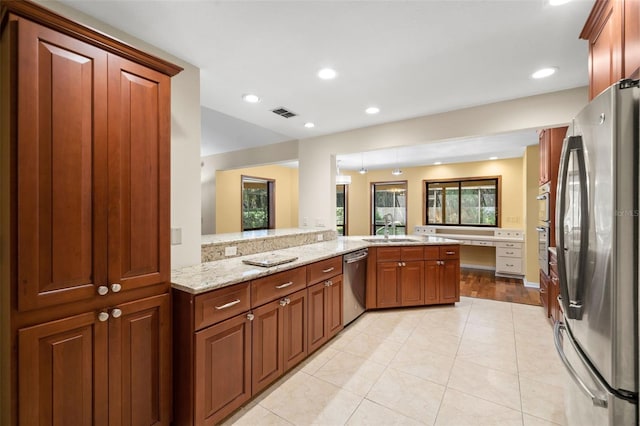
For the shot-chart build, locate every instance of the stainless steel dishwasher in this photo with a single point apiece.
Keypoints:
(355, 275)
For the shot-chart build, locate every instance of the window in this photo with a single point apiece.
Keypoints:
(389, 205)
(341, 209)
(258, 197)
(470, 202)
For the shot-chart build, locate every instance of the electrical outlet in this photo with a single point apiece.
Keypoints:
(320, 237)
(231, 251)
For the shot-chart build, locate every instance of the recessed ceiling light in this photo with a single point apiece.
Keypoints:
(437, 163)
(251, 98)
(372, 110)
(544, 72)
(558, 2)
(493, 158)
(309, 125)
(327, 74)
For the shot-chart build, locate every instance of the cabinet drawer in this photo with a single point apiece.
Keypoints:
(412, 253)
(449, 252)
(388, 253)
(508, 252)
(432, 252)
(509, 245)
(482, 243)
(509, 265)
(269, 288)
(218, 305)
(324, 269)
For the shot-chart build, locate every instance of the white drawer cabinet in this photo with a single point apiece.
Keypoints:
(509, 259)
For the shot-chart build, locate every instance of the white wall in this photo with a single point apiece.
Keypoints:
(317, 155)
(185, 139)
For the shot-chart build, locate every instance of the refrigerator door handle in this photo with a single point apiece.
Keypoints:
(596, 399)
(572, 295)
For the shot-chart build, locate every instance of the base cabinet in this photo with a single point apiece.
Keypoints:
(325, 311)
(545, 286)
(222, 369)
(399, 277)
(113, 368)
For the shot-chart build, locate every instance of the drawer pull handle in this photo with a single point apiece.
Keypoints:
(328, 270)
(451, 252)
(285, 285)
(228, 305)
(508, 252)
(509, 265)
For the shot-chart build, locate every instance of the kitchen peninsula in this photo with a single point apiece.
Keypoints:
(239, 327)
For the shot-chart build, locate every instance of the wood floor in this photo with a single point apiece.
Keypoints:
(485, 285)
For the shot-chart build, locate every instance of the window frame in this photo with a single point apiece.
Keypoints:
(372, 206)
(345, 225)
(459, 181)
(271, 200)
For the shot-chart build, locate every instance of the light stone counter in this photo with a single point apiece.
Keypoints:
(221, 273)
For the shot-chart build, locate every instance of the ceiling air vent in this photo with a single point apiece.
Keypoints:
(284, 112)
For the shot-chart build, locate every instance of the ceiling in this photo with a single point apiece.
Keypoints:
(409, 58)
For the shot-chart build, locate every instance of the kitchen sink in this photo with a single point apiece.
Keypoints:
(390, 240)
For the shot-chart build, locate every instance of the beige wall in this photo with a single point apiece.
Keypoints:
(512, 205)
(228, 196)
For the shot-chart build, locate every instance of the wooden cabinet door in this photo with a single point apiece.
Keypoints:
(412, 283)
(295, 329)
(449, 281)
(605, 50)
(61, 173)
(334, 312)
(267, 345)
(222, 369)
(431, 282)
(631, 38)
(544, 141)
(62, 376)
(138, 158)
(388, 284)
(544, 292)
(140, 362)
(317, 328)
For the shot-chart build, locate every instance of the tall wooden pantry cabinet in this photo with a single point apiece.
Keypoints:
(84, 223)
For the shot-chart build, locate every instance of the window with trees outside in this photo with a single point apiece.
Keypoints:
(341, 209)
(258, 198)
(389, 207)
(465, 202)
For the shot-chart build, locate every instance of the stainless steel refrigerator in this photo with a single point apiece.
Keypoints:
(597, 246)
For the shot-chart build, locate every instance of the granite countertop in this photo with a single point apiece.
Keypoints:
(221, 273)
(256, 235)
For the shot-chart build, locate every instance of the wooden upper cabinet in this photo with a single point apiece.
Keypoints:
(613, 32)
(632, 38)
(62, 117)
(139, 156)
(544, 141)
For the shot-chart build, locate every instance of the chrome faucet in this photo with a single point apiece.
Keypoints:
(388, 220)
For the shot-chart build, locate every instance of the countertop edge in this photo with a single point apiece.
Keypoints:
(223, 273)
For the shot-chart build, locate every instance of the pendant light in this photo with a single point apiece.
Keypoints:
(396, 171)
(341, 179)
(362, 170)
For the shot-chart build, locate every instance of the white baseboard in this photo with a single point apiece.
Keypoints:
(531, 284)
(481, 267)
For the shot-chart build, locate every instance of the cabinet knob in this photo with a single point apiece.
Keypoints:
(283, 302)
(103, 316)
(103, 290)
(116, 313)
(250, 317)
(286, 299)
(116, 287)
(328, 283)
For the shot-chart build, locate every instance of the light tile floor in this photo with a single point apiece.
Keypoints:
(480, 362)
